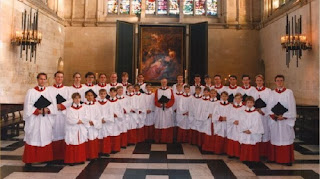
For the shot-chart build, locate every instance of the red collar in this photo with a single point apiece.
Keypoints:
(237, 106)
(209, 85)
(263, 88)
(128, 94)
(120, 97)
(213, 99)
(77, 87)
(235, 87)
(164, 88)
(218, 87)
(280, 91)
(99, 84)
(148, 93)
(113, 100)
(76, 107)
(186, 95)
(38, 89)
(206, 99)
(199, 96)
(224, 104)
(138, 94)
(250, 111)
(102, 102)
(197, 84)
(243, 87)
(179, 93)
(55, 85)
(89, 104)
(115, 84)
(125, 84)
(88, 85)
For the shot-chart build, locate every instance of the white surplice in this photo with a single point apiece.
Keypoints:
(221, 110)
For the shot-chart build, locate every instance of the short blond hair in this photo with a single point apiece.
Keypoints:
(259, 76)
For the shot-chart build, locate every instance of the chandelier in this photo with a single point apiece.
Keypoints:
(294, 42)
(29, 37)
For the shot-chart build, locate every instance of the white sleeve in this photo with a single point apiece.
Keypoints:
(28, 107)
(71, 118)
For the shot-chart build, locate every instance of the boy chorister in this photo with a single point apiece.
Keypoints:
(77, 87)
(220, 117)
(179, 82)
(177, 96)
(38, 122)
(132, 115)
(195, 114)
(113, 82)
(102, 83)
(89, 85)
(232, 89)
(282, 123)
(207, 80)
(117, 115)
(124, 83)
(61, 93)
(124, 120)
(141, 83)
(208, 140)
(218, 86)
(251, 129)
(150, 107)
(233, 132)
(183, 117)
(76, 132)
(95, 118)
(264, 94)
(246, 89)
(141, 112)
(107, 123)
(197, 82)
(205, 117)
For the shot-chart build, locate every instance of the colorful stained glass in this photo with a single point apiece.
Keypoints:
(174, 7)
(136, 6)
(162, 7)
(112, 7)
(150, 6)
(188, 7)
(212, 6)
(124, 6)
(200, 7)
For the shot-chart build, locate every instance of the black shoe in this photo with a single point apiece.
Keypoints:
(288, 164)
(71, 164)
(123, 147)
(28, 165)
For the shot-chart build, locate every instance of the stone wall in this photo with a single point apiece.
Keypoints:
(303, 80)
(17, 74)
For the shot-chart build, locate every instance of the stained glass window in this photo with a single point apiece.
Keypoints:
(136, 6)
(188, 7)
(162, 7)
(174, 7)
(212, 6)
(124, 6)
(150, 6)
(199, 7)
(112, 7)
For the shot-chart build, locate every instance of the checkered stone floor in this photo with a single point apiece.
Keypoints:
(148, 160)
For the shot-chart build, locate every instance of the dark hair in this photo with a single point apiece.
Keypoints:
(124, 74)
(249, 98)
(102, 90)
(224, 92)
(148, 84)
(238, 94)
(206, 76)
(217, 76)
(129, 85)
(89, 91)
(140, 74)
(136, 85)
(186, 86)
(206, 89)
(89, 74)
(58, 72)
(198, 87)
(279, 76)
(40, 74)
(102, 74)
(244, 76)
(74, 95)
(179, 75)
(113, 89)
(233, 76)
(119, 87)
(197, 75)
(76, 73)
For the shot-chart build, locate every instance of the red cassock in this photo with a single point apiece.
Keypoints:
(250, 153)
(281, 154)
(164, 118)
(75, 153)
(208, 141)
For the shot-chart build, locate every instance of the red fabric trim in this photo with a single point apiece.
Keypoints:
(132, 136)
(102, 103)
(171, 101)
(220, 144)
(280, 91)
(99, 84)
(235, 87)
(36, 112)
(233, 149)
(89, 85)
(35, 154)
(77, 87)
(250, 111)
(58, 148)
(243, 87)
(140, 135)
(113, 85)
(76, 107)
(163, 135)
(105, 145)
(63, 107)
(124, 139)
(237, 106)
(224, 104)
(250, 153)
(149, 132)
(75, 153)
(218, 87)
(92, 149)
(115, 143)
(113, 100)
(55, 85)
(38, 89)
(282, 154)
(156, 100)
(263, 88)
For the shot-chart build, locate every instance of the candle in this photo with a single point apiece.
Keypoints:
(137, 71)
(185, 76)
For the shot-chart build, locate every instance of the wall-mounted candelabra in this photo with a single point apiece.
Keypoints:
(294, 42)
(29, 37)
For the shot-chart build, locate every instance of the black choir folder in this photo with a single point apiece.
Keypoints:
(163, 100)
(279, 109)
(60, 99)
(42, 103)
(230, 98)
(260, 104)
(94, 94)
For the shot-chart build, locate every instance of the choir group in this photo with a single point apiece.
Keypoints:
(85, 121)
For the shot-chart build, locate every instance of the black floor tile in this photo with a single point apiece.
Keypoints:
(13, 146)
(219, 169)
(304, 151)
(142, 148)
(10, 157)
(7, 170)
(175, 148)
(158, 156)
(256, 165)
(94, 169)
(307, 161)
(303, 173)
(142, 173)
